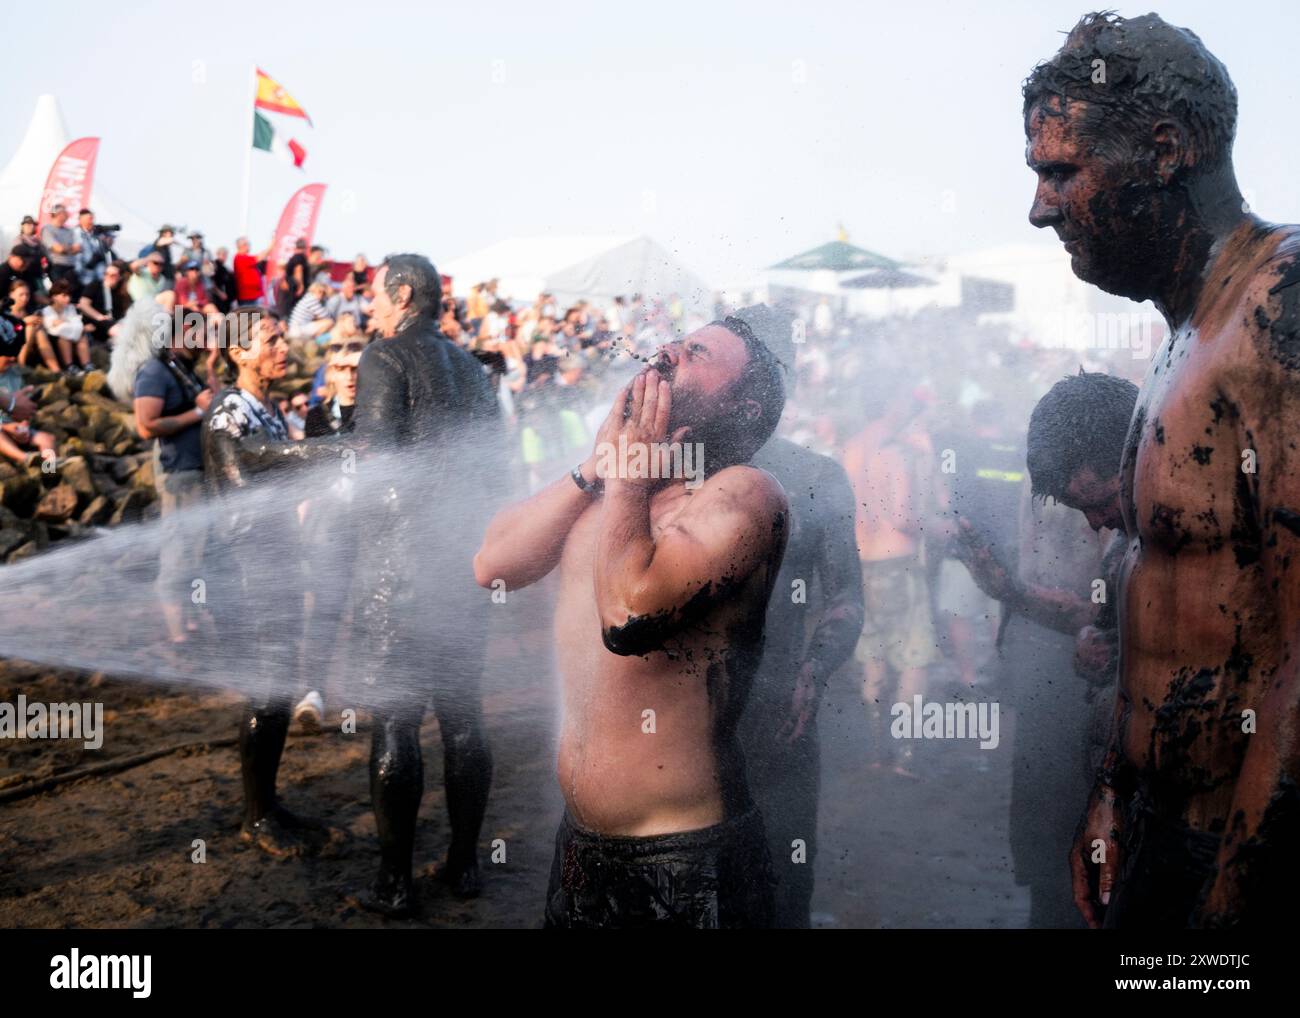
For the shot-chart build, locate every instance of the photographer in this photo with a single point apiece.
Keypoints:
(95, 245)
(170, 401)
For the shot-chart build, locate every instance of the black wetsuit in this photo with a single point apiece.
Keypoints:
(246, 569)
(820, 551)
(419, 617)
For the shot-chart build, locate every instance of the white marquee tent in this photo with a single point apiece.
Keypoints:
(23, 179)
(572, 267)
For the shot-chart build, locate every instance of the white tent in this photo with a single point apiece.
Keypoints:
(599, 268)
(23, 179)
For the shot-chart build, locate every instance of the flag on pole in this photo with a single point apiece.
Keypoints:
(266, 139)
(272, 96)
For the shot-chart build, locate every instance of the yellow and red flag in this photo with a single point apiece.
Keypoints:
(272, 96)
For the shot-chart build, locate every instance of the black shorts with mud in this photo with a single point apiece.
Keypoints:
(717, 877)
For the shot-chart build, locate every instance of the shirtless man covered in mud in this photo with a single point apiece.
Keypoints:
(1193, 819)
(663, 586)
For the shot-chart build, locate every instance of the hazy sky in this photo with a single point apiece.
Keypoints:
(736, 134)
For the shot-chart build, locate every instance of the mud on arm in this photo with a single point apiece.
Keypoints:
(1267, 794)
(650, 589)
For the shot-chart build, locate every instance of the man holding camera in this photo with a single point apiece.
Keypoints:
(95, 250)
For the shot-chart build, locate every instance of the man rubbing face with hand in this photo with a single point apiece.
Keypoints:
(663, 588)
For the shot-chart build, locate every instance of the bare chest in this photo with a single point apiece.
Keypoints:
(1184, 489)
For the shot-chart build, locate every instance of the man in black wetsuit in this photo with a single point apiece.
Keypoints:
(429, 437)
(819, 580)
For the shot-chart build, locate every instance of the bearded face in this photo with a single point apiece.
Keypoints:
(702, 371)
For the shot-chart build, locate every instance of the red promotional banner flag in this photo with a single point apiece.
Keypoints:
(298, 220)
(70, 179)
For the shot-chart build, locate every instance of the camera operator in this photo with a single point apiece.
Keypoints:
(95, 245)
(170, 401)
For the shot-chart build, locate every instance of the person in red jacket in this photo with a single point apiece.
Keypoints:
(248, 272)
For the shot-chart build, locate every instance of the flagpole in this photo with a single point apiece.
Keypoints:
(248, 151)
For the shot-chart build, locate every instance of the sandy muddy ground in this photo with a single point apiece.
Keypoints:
(116, 851)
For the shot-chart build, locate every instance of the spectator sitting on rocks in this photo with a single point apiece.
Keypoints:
(191, 290)
(309, 319)
(105, 301)
(19, 442)
(62, 322)
(37, 348)
(348, 301)
(148, 277)
(295, 415)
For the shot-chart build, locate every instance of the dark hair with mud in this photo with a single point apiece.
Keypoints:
(1081, 422)
(761, 329)
(1152, 70)
(417, 272)
(239, 326)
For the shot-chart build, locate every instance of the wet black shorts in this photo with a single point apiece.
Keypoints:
(1165, 868)
(719, 877)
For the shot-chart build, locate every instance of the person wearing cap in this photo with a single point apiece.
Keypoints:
(200, 255)
(18, 440)
(61, 249)
(28, 246)
(94, 253)
(148, 277)
(14, 267)
(163, 247)
(191, 290)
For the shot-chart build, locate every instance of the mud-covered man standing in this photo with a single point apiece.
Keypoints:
(664, 581)
(1194, 815)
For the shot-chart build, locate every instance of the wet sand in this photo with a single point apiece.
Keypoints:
(115, 851)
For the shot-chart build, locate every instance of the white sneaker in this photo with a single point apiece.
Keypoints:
(309, 712)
